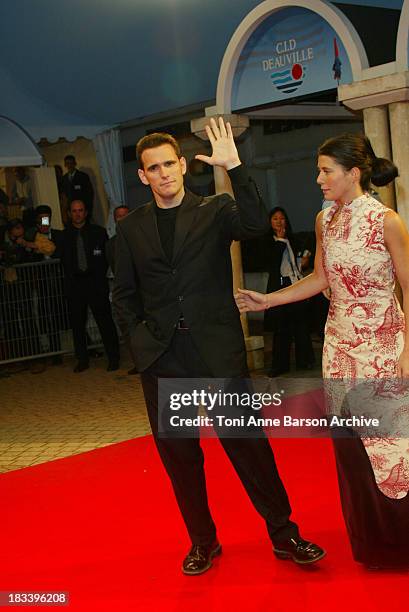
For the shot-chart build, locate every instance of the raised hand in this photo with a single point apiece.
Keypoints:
(251, 301)
(224, 151)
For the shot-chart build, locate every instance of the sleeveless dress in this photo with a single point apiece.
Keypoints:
(364, 337)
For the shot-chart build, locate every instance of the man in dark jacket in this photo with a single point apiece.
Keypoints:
(76, 185)
(119, 213)
(81, 249)
(173, 294)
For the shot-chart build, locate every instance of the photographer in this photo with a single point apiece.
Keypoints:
(21, 333)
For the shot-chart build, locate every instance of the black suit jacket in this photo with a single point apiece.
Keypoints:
(275, 255)
(152, 292)
(110, 253)
(95, 238)
(80, 188)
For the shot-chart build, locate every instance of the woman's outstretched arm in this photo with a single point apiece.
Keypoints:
(312, 284)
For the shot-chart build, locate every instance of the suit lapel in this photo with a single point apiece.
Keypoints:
(184, 221)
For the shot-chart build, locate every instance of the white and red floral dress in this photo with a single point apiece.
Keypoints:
(364, 333)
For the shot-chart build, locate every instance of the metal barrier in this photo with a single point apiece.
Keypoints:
(34, 319)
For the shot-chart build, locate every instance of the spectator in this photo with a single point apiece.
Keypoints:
(288, 322)
(52, 308)
(21, 334)
(82, 253)
(76, 185)
(119, 213)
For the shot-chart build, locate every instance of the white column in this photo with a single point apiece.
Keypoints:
(399, 122)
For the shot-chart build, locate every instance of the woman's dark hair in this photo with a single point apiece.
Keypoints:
(289, 230)
(355, 151)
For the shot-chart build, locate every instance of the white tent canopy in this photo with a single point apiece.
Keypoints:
(17, 148)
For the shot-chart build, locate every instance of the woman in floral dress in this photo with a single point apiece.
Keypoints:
(361, 247)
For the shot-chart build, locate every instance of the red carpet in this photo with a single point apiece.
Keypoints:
(103, 525)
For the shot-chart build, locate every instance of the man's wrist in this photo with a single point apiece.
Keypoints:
(233, 164)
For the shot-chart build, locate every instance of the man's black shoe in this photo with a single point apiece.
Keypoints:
(133, 371)
(81, 366)
(199, 559)
(112, 366)
(299, 550)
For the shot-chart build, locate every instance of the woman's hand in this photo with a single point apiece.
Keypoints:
(403, 364)
(280, 232)
(252, 301)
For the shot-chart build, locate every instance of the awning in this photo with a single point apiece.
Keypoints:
(17, 148)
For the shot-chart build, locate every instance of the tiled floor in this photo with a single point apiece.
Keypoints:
(57, 413)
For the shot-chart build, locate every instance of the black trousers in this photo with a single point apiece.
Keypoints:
(291, 323)
(86, 293)
(252, 458)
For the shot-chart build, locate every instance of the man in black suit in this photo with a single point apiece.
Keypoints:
(81, 248)
(119, 213)
(173, 294)
(76, 185)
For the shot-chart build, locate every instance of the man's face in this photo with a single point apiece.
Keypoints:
(120, 213)
(78, 213)
(163, 171)
(43, 223)
(70, 164)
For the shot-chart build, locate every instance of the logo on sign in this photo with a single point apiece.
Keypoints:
(289, 65)
(288, 81)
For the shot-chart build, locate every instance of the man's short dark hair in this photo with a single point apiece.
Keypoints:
(70, 158)
(43, 209)
(151, 141)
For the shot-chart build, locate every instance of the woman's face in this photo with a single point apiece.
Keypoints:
(337, 183)
(278, 223)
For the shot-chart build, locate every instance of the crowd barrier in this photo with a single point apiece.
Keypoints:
(34, 319)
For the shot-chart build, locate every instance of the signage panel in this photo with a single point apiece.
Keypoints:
(294, 52)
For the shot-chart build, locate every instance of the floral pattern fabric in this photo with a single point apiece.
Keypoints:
(364, 335)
